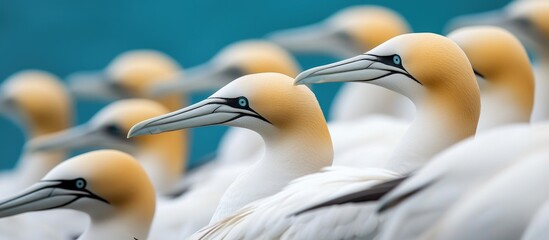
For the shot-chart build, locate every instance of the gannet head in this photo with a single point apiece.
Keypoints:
(236, 60)
(528, 20)
(500, 60)
(107, 129)
(348, 32)
(129, 75)
(414, 65)
(104, 184)
(37, 100)
(267, 103)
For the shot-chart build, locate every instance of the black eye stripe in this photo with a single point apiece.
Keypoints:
(390, 60)
(116, 131)
(396, 61)
(77, 184)
(241, 103)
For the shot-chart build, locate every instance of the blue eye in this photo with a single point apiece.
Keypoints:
(396, 59)
(80, 183)
(242, 101)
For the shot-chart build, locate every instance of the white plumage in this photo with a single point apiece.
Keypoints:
(501, 207)
(271, 218)
(449, 176)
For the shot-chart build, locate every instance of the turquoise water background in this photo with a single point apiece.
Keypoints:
(62, 36)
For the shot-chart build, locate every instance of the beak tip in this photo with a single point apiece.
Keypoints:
(304, 78)
(136, 130)
(133, 132)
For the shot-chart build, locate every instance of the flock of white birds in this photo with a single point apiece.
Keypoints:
(432, 137)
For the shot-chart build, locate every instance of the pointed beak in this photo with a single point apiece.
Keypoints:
(44, 195)
(493, 18)
(76, 138)
(205, 77)
(94, 86)
(73, 138)
(211, 111)
(362, 68)
(316, 39)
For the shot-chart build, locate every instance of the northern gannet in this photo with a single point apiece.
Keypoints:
(529, 21)
(233, 61)
(109, 186)
(349, 32)
(160, 155)
(129, 75)
(288, 118)
(448, 103)
(504, 71)
(40, 104)
(446, 111)
(513, 74)
(508, 77)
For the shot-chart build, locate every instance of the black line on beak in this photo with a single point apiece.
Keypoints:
(233, 102)
(62, 184)
(387, 60)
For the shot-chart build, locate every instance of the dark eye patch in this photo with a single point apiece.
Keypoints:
(73, 184)
(391, 60)
(242, 103)
(524, 22)
(234, 73)
(239, 102)
(115, 131)
(77, 184)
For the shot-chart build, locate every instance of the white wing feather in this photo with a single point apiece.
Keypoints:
(449, 175)
(271, 218)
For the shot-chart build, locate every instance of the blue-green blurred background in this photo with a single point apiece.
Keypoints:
(63, 36)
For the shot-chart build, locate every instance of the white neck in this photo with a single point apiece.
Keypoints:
(500, 107)
(356, 100)
(440, 122)
(117, 228)
(287, 157)
(541, 98)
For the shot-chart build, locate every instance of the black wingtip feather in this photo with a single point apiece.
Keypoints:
(370, 194)
(390, 204)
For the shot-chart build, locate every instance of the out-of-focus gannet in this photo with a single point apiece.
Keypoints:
(507, 79)
(347, 33)
(40, 104)
(129, 75)
(160, 155)
(529, 21)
